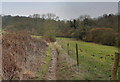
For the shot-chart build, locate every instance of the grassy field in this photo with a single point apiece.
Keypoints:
(95, 60)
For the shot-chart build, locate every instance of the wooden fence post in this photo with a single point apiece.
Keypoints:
(68, 48)
(77, 54)
(119, 70)
(115, 66)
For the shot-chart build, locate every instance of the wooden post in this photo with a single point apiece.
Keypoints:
(115, 66)
(77, 54)
(119, 70)
(68, 48)
(119, 66)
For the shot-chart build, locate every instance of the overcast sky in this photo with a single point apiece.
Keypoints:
(65, 10)
(60, 0)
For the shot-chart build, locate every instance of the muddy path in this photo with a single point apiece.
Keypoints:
(51, 75)
(62, 66)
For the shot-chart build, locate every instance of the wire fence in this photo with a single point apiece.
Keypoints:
(97, 67)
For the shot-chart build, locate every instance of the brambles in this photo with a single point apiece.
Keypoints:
(22, 56)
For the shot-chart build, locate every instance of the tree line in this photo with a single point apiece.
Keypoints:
(103, 30)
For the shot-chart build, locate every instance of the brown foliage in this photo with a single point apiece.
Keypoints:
(21, 53)
(106, 36)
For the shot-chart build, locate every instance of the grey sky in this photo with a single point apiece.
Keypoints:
(65, 10)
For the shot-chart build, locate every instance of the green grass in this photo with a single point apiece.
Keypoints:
(34, 36)
(66, 69)
(95, 60)
(59, 38)
(45, 66)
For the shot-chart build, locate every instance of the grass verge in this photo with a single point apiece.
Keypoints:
(45, 65)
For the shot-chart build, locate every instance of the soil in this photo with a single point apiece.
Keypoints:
(51, 75)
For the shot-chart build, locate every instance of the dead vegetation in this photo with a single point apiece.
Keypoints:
(22, 56)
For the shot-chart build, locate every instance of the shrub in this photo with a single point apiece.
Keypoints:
(104, 36)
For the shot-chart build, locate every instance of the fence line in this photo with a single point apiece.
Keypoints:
(115, 68)
(68, 48)
(77, 54)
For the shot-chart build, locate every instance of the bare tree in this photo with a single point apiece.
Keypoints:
(82, 17)
(50, 16)
(36, 16)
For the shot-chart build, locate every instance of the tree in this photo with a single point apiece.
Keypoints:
(88, 22)
(50, 29)
(83, 17)
(36, 16)
(51, 16)
(74, 24)
(104, 36)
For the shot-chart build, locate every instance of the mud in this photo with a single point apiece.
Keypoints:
(51, 75)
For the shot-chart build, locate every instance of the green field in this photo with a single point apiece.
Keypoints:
(95, 60)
